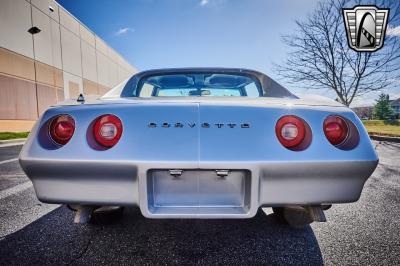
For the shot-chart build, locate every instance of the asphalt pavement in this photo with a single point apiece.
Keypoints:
(366, 232)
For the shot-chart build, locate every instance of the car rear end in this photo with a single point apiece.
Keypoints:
(195, 170)
(199, 157)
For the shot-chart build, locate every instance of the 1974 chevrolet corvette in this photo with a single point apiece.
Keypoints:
(200, 143)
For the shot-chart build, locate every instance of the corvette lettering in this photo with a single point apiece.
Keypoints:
(192, 125)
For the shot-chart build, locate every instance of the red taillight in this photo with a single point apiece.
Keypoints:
(107, 130)
(335, 129)
(62, 129)
(290, 131)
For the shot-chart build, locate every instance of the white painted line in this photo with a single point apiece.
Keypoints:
(14, 190)
(9, 161)
(11, 144)
(12, 140)
(267, 211)
(13, 176)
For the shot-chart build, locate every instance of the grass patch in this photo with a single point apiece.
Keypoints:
(383, 128)
(13, 135)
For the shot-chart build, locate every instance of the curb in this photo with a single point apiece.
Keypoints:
(385, 138)
(13, 141)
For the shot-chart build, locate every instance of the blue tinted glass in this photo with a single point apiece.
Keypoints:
(204, 84)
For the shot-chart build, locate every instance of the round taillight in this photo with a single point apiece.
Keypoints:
(290, 131)
(336, 129)
(62, 129)
(107, 130)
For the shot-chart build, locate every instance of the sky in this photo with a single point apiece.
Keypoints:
(197, 33)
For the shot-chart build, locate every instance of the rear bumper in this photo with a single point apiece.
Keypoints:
(262, 184)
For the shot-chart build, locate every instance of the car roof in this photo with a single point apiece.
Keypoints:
(198, 70)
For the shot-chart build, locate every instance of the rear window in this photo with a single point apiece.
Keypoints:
(201, 85)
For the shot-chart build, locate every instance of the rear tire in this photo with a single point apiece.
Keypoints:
(326, 207)
(296, 217)
(73, 208)
(278, 211)
(107, 214)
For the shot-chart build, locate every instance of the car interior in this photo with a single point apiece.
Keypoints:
(209, 84)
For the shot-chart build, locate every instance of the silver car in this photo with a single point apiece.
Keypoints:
(200, 143)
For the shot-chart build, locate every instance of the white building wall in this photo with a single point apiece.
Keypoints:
(69, 22)
(43, 41)
(70, 81)
(102, 68)
(62, 60)
(89, 66)
(87, 36)
(43, 5)
(56, 44)
(71, 52)
(15, 20)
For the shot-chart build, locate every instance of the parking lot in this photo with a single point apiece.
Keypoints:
(366, 232)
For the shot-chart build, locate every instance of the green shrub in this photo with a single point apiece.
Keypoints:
(13, 135)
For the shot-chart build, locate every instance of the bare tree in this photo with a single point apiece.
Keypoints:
(320, 57)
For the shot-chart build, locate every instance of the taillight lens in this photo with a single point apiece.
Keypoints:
(62, 129)
(290, 131)
(107, 130)
(336, 129)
